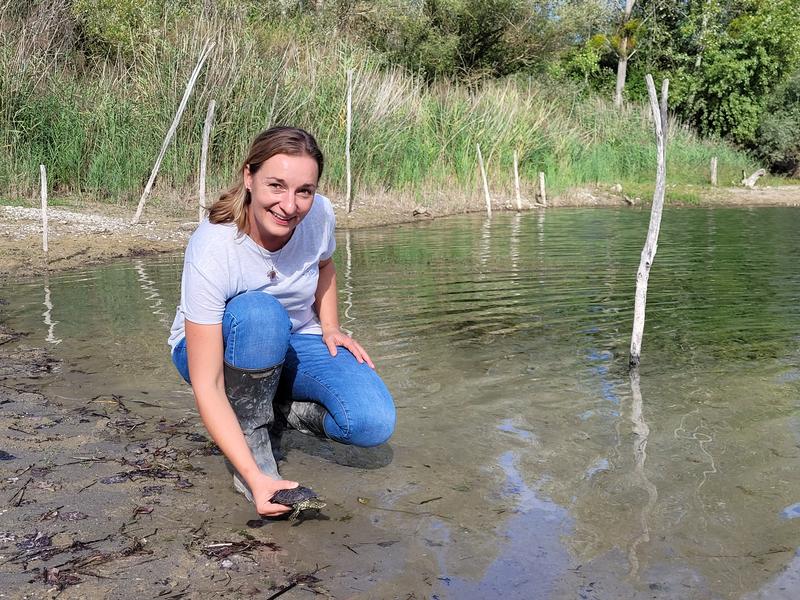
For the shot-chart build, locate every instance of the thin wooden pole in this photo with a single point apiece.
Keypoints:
(542, 189)
(714, 171)
(651, 244)
(43, 179)
(486, 195)
(516, 180)
(204, 54)
(349, 194)
(204, 158)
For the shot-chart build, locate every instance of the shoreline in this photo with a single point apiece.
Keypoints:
(87, 233)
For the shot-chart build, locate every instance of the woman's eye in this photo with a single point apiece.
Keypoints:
(304, 192)
(275, 186)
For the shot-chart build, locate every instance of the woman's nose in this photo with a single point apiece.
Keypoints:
(289, 202)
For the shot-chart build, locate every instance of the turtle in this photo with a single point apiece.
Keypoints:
(300, 498)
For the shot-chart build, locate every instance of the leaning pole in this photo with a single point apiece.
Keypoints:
(651, 244)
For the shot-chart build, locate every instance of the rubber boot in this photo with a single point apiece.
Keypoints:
(250, 394)
(306, 417)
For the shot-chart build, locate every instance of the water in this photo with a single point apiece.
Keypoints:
(526, 461)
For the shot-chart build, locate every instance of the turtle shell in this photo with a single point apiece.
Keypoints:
(293, 496)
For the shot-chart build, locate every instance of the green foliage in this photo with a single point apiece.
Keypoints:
(778, 138)
(98, 128)
(723, 58)
(467, 39)
(115, 26)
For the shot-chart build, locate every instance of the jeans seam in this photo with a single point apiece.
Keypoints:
(232, 337)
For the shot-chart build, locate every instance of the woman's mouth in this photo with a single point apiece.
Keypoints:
(281, 220)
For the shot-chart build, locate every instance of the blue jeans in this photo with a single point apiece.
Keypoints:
(257, 335)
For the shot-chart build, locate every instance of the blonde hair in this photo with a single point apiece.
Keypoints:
(231, 206)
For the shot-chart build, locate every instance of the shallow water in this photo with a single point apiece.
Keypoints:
(526, 462)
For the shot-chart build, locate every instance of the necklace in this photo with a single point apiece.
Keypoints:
(272, 266)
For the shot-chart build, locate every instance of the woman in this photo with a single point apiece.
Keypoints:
(258, 316)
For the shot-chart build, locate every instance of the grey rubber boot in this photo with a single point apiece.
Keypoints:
(250, 394)
(306, 417)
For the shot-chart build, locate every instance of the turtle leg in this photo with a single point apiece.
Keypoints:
(250, 393)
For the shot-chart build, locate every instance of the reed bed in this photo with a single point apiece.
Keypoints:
(98, 123)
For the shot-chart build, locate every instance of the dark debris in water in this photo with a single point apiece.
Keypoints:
(220, 550)
(60, 578)
(34, 541)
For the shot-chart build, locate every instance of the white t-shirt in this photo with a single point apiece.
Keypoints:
(221, 262)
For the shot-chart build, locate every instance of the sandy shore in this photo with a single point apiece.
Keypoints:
(101, 501)
(86, 233)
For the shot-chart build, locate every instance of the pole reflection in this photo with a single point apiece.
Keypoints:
(47, 314)
(642, 432)
(149, 287)
(347, 288)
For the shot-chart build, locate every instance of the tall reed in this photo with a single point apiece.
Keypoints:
(98, 124)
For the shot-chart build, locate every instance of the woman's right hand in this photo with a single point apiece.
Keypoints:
(263, 489)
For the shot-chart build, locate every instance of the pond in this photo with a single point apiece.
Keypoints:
(526, 463)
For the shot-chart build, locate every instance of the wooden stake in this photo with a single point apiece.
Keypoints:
(651, 244)
(516, 181)
(542, 190)
(714, 171)
(204, 54)
(43, 179)
(349, 194)
(204, 158)
(486, 195)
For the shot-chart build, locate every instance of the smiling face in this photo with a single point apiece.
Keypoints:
(281, 194)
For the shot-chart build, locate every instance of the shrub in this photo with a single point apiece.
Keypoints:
(778, 140)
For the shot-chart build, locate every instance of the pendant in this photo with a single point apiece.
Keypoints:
(272, 275)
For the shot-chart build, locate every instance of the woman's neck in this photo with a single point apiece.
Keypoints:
(267, 241)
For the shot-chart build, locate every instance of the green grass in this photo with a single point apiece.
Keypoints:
(99, 127)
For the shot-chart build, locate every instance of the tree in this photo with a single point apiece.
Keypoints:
(723, 58)
(624, 48)
(778, 137)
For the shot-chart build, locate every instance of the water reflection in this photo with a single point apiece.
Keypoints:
(153, 296)
(485, 244)
(530, 559)
(48, 315)
(347, 287)
(642, 432)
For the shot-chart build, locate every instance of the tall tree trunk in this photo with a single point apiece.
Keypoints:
(622, 72)
(622, 65)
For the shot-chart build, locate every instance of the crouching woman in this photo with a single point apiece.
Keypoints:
(257, 329)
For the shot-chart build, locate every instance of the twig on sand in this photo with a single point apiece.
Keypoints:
(300, 578)
(20, 492)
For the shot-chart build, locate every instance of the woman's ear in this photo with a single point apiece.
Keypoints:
(248, 178)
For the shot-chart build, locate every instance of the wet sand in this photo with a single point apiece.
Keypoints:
(101, 501)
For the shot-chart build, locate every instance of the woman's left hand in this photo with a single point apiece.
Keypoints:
(337, 337)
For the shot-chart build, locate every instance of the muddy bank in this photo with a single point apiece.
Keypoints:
(102, 501)
(89, 233)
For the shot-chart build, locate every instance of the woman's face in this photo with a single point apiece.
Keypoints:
(281, 194)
